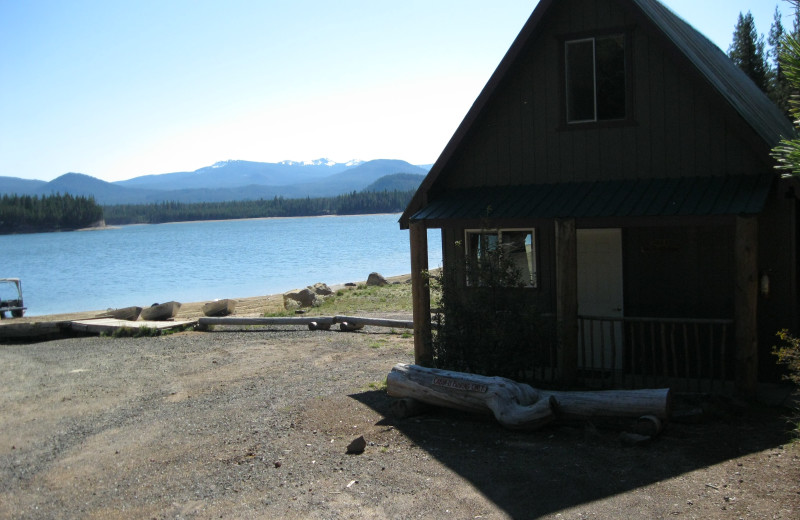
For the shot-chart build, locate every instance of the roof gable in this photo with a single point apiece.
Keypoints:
(707, 62)
(732, 83)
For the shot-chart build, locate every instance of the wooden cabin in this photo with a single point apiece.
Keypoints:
(630, 162)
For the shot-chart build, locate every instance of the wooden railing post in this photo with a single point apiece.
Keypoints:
(746, 305)
(420, 294)
(567, 298)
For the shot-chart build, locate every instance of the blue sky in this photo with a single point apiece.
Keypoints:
(116, 89)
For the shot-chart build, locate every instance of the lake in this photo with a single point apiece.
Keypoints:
(198, 261)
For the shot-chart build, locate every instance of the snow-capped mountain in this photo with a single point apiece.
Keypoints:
(226, 180)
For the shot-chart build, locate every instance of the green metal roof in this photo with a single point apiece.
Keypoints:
(685, 196)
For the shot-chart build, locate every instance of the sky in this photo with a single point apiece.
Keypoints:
(116, 89)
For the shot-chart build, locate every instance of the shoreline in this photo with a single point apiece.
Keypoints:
(119, 226)
(247, 306)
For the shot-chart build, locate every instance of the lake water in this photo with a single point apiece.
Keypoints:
(198, 261)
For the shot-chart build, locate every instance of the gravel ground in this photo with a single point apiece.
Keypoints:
(255, 423)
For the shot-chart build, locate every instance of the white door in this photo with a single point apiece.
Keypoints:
(600, 294)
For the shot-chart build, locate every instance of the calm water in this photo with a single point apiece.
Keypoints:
(197, 261)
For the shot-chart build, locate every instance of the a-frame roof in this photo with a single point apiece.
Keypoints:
(742, 96)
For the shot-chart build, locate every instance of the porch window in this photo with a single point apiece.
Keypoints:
(515, 248)
(595, 79)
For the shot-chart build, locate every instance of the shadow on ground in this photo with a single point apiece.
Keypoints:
(531, 474)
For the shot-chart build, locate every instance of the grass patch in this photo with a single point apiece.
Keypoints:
(377, 385)
(378, 344)
(389, 298)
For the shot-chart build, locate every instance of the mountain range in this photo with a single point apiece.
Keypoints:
(233, 180)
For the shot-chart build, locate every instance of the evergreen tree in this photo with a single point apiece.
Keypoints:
(747, 51)
(788, 151)
(779, 89)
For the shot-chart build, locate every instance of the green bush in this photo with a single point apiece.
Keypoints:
(788, 355)
(489, 328)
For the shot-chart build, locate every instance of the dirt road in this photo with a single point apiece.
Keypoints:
(255, 423)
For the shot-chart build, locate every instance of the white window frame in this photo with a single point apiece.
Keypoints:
(532, 257)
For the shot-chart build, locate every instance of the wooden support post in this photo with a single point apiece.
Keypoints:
(746, 305)
(567, 299)
(420, 294)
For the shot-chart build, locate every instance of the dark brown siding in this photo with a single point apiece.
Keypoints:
(541, 298)
(679, 272)
(777, 235)
(679, 127)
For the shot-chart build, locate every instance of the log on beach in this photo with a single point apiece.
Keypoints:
(518, 405)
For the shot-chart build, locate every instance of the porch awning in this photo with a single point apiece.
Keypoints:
(685, 196)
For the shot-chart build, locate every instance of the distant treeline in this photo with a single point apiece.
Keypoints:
(355, 203)
(30, 213)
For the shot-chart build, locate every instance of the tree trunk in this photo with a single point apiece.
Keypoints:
(517, 405)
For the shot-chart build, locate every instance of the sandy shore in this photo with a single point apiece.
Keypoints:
(245, 307)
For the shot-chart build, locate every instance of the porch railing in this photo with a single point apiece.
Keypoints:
(630, 352)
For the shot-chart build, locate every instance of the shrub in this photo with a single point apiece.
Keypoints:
(490, 327)
(788, 355)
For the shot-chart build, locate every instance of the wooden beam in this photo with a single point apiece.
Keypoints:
(420, 294)
(375, 322)
(567, 299)
(746, 305)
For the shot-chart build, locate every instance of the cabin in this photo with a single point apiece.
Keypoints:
(625, 162)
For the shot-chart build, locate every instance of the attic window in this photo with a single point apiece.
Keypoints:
(595, 79)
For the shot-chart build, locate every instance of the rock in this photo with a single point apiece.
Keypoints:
(346, 326)
(314, 325)
(321, 289)
(301, 298)
(357, 446)
(376, 279)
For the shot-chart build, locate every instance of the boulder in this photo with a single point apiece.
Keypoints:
(346, 326)
(376, 279)
(321, 289)
(299, 298)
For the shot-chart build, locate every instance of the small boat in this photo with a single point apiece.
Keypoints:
(219, 307)
(125, 313)
(160, 311)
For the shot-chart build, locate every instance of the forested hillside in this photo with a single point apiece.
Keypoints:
(27, 214)
(355, 203)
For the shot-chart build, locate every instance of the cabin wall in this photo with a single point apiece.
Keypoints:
(778, 309)
(542, 298)
(679, 272)
(679, 127)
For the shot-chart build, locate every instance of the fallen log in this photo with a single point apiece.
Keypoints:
(377, 322)
(279, 320)
(518, 405)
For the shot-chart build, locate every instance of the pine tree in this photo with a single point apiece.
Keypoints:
(747, 51)
(779, 89)
(787, 152)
